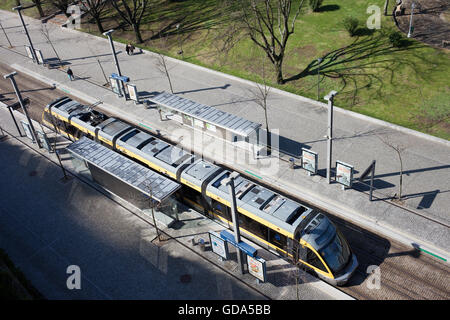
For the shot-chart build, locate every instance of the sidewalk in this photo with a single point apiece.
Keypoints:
(48, 224)
(301, 123)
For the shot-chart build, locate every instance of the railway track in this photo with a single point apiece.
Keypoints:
(405, 273)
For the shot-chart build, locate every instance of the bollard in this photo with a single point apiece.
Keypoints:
(201, 242)
(292, 163)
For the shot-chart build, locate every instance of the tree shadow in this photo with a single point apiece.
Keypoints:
(328, 7)
(365, 62)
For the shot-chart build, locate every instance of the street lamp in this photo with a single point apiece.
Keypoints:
(410, 31)
(330, 99)
(178, 36)
(237, 236)
(19, 97)
(116, 62)
(33, 53)
(318, 77)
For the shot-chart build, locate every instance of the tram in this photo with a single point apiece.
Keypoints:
(294, 231)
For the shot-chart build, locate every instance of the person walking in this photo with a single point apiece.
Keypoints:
(70, 74)
(131, 48)
(128, 49)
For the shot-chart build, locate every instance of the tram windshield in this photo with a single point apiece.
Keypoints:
(336, 253)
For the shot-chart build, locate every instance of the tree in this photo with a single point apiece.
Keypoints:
(399, 149)
(62, 5)
(133, 14)
(260, 96)
(39, 7)
(270, 27)
(95, 9)
(161, 62)
(46, 33)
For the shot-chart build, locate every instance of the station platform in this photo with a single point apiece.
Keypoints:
(420, 221)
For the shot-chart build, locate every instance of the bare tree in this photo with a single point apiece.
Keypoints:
(161, 62)
(399, 149)
(46, 33)
(133, 14)
(62, 5)
(260, 96)
(38, 4)
(95, 9)
(269, 24)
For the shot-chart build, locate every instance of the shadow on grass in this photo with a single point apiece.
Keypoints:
(366, 62)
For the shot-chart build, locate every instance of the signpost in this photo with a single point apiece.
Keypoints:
(27, 129)
(218, 245)
(44, 141)
(39, 56)
(29, 52)
(132, 91)
(115, 86)
(309, 161)
(344, 174)
(257, 268)
(370, 169)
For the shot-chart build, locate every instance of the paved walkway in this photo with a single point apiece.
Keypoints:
(301, 123)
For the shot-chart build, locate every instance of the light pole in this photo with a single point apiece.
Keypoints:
(178, 36)
(318, 77)
(19, 8)
(410, 20)
(19, 97)
(237, 236)
(330, 98)
(116, 62)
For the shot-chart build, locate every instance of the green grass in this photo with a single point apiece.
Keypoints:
(407, 86)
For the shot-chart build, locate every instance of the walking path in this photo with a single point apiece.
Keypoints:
(423, 219)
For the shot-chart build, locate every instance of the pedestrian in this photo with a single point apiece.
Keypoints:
(131, 48)
(128, 49)
(70, 74)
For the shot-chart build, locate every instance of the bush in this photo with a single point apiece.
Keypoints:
(351, 24)
(396, 39)
(315, 4)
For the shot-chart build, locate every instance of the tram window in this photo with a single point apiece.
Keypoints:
(278, 239)
(253, 226)
(47, 117)
(314, 260)
(221, 209)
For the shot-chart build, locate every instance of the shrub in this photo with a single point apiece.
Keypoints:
(351, 24)
(315, 4)
(396, 39)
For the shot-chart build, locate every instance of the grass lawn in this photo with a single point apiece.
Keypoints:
(409, 86)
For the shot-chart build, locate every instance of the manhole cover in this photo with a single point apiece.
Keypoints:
(185, 278)
(32, 173)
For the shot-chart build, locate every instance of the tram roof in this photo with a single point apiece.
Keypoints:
(206, 113)
(124, 169)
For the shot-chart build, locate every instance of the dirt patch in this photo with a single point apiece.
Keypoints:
(430, 21)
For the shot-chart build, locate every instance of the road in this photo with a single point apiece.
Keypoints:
(405, 274)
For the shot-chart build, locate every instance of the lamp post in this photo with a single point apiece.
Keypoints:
(19, 8)
(330, 99)
(318, 77)
(178, 36)
(410, 31)
(19, 97)
(116, 62)
(237, 236)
